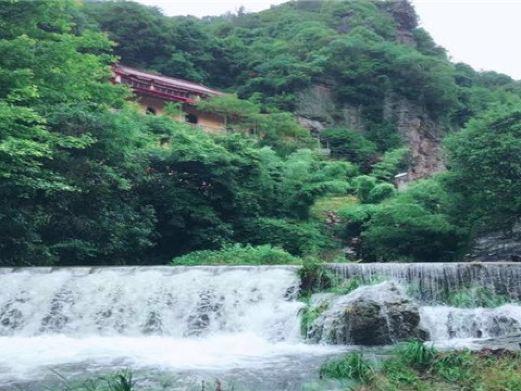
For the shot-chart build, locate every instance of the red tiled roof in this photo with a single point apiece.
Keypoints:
(195, 88)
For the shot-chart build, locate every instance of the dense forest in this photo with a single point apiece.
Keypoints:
(86, 179)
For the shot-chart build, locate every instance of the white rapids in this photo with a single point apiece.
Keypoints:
(162, 317)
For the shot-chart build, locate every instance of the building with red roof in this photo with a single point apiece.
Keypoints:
(154, 91)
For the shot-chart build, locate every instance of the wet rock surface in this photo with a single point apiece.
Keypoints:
(371, 315)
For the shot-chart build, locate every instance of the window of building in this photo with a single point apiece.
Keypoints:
(191, 118)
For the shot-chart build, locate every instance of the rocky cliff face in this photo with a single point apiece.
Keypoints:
(498, 246)
(317, 110)
(422, 134)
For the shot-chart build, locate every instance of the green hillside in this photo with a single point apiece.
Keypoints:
(86, 179)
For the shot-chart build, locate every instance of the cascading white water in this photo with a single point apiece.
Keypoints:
(177, 318)
(433, 281)
(177, 302)
(445, 323)
(210, 318)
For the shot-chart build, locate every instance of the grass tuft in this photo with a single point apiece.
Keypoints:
(352, 366)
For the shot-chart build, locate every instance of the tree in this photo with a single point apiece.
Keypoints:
(351, 146)
(485, 169)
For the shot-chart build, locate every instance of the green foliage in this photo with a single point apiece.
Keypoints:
(156, 189)
(273, 56)
(381, 192)
(56, 140)
(363, 185)
(298, 238)
(355, 217)
(393, 162)
(309, 314)
(315, 277)
(349, 145)
(455, 367)
(331, 204)
(122, 381)
(237, 255)
(416, 355)
(485, 166)
(414, 366)
(413, 225)
(351, 366)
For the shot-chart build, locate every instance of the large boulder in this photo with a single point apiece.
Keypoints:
(371, 315)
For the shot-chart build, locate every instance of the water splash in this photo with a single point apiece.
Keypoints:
(446, 323)
(176, 302)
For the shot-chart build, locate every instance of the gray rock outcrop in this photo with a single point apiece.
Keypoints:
(371, 315)
(498, 246)
(422, 134)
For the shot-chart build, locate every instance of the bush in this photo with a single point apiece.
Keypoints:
(350, 145)
(238, 255)
(392, 163)
(381, 192)
(314, 277)
(297, 238)
(363, 185)
(399, 231)
(354, 217)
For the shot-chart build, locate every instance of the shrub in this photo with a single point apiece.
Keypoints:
(238, 255)
(350, 145)
(392, 163)
(354, 217)
(407, 231)
(314, 277)
(380, 192)
(351, 366)
(363, 185)
(298, 238)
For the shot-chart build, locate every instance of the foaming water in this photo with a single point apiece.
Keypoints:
(166, 318)
(446, 323)
(177, 302)
(241, 321)
(21, 356)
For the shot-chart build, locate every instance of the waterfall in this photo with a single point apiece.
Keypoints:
(209, 320)
(445, 323)
(133, 301)
(432, 282)
(186, 321)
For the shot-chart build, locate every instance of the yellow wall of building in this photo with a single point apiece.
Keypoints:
(209, 122)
